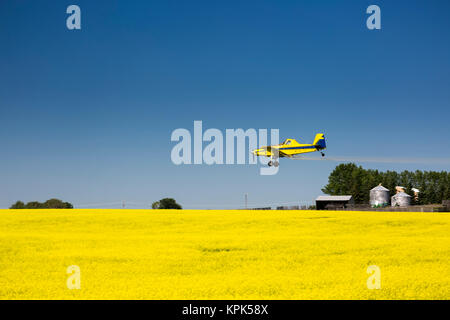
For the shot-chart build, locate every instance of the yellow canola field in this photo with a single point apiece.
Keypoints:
(229, 254)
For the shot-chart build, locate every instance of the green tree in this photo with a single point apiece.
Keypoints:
(155, 205)
(57, 204)
(166, 203)
(339, 181)
(68, 205)
(34, 205)
(18, 205)
(348, 179)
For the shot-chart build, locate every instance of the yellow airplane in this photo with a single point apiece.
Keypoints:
(290, 148)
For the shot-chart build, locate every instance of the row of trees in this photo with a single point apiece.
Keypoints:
(166, 203)
(51, 203)
(349, 179)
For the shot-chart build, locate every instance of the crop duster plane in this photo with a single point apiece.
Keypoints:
(290, 148)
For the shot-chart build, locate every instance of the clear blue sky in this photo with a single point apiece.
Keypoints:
(86, 115)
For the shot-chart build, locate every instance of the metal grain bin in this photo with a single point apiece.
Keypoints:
(401, 199)
(379, 196)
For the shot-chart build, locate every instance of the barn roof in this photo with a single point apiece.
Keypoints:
(333, 198)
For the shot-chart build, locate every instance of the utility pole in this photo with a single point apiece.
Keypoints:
(123, 204)
(246, 201)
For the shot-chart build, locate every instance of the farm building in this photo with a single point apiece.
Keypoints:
(333, 202)
(379, 196)
(401, 199)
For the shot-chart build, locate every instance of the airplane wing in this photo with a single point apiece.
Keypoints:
(272, 150)
(281, 154)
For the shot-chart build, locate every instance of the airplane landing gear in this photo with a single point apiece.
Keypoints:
(323, 154)
(273, 163)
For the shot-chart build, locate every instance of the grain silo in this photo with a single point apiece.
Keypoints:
(401, 199)
(416, 194)
(379, 196)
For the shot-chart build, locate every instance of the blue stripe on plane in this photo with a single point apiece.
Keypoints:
(305, 147)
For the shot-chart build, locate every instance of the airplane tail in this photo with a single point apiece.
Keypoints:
(319, 141)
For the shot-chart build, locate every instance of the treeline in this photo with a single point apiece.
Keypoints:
(349, 179)
(49, 204)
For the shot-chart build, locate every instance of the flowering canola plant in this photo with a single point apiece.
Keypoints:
(223, 254)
